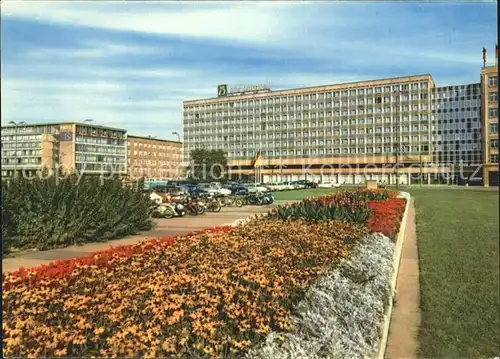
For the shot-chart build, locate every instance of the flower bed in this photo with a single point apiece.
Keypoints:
(342, 205)
(386, 216)
(213, 293)
(210, 294)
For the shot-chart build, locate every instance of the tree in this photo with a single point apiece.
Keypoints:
(208, 165)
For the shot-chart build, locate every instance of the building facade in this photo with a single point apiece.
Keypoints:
(367, 126)
(456, 114)
(153, 158)
(71, 146)
(489, 121)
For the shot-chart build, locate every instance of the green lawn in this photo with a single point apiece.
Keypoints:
(458, 240)
(458, 232)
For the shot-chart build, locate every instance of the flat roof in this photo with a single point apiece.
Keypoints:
(352, 84)
(67, 123)
(153, 139)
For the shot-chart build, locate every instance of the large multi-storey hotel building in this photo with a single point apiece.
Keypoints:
(489, 120)
(71, 146)
(153, 158)
(364, 125)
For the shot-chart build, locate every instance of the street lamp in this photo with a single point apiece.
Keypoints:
(182, 145)
(16, 124)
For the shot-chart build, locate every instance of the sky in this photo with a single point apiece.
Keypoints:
(131, 64)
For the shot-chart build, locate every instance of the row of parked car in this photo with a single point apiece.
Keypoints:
(237, 188)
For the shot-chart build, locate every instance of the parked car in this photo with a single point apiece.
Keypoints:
(255, 187)
(329, 185)
(308, 183)
(237, 189)
(215, 188)
(295, 185)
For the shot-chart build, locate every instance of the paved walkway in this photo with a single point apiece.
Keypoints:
(164, 228)
(405, 320)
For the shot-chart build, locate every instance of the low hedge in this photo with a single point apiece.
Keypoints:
(45, 213)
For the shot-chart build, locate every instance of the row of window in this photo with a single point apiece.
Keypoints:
(237, 142)
(460, 125)
(101, 141)
(54, 129)
(144, 162)
(153, 146)
(246, 125)
(85, 158)
(327, 94)
(20, 138)
(344, 112)
(102, 167)
(20, 145)
(100, 149)
(98, 131)
(22, 153)
(329, 103)
(171, 155)
(22, 161)
(455, 109)
(304, 129)
(345, 150)
(457, 147)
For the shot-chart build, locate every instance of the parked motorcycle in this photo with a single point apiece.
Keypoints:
(179, 209)
(232, 201)
(212, 203)
(259, 198)
(192, 206)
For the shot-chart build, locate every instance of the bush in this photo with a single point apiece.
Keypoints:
(344, 205)
(50, 213)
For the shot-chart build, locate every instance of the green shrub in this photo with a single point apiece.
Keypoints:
(57, 212)
(345, 205)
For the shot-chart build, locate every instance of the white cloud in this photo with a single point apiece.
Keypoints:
(92, 50)
(236, 21)
(330, 46)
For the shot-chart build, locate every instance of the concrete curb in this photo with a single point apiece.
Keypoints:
(397, 259)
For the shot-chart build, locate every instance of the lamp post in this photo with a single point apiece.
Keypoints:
(16, 124)
(182, 154)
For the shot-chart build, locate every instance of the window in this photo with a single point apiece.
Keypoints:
(494, 158)
(493, 128)
(493, 112)
(494, 143)
(493, 96)
(493, 80)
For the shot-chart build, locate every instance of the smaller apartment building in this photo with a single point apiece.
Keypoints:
(68, 145)
(154, 158)
(489, 121)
